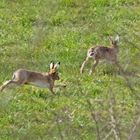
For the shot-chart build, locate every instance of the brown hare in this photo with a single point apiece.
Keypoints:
(100, 52)
(23, 76)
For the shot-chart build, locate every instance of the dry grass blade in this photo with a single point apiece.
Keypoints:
(132, 131)
(113, 119)
(95, 119)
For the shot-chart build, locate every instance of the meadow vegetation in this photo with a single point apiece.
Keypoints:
(102, 106)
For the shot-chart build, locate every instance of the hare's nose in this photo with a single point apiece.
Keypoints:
(91, 54)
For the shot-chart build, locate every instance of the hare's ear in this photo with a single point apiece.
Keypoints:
(117, 38)
(51, 65)
(57, 65)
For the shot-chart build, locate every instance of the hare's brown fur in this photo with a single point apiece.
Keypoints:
(100, 52)
(23, 76)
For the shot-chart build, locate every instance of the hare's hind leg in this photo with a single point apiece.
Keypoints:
(83, 64)
(13, 81)
(6, 84)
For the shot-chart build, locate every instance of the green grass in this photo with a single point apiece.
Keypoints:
(33, 33)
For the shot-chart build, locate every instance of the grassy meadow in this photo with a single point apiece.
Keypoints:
(103, 106)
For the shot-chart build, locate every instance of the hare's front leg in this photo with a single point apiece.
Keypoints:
(119, 66)
(51, 89)
(94, 66)
(60, 86)
(83, 64)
